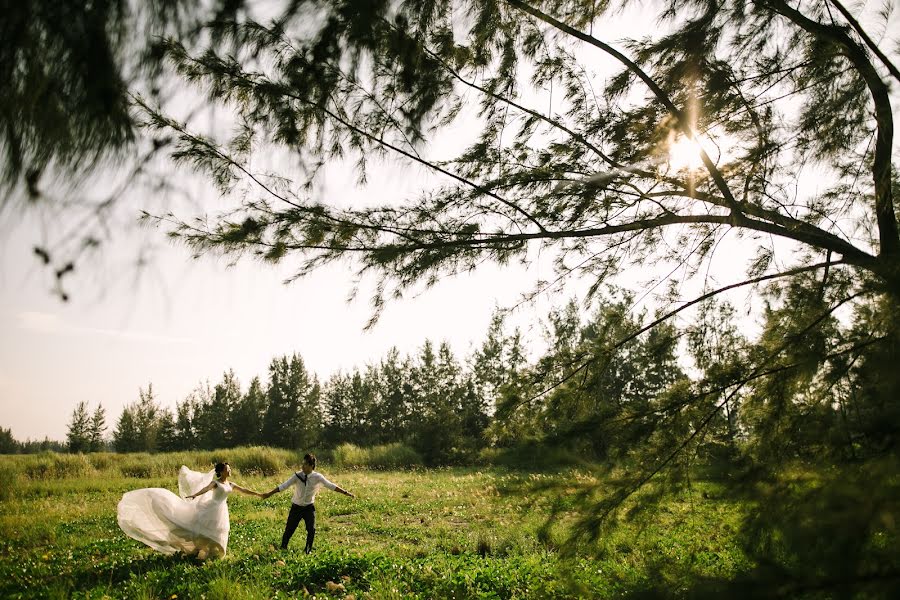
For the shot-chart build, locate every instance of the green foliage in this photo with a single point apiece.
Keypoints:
(70, 68)
(65, 97)
(292, 406)
(386, 457)
(589, 176)
(247, 415)
(8, 444)
(79, 435)
(96, 441)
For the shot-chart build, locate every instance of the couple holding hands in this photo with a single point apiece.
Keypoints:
(197, 523)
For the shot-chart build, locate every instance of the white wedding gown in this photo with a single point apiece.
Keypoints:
(170, 523)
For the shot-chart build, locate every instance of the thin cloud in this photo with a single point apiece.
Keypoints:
(52, 324)
(41, 322)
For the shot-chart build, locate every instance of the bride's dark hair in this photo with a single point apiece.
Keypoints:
(220, 468)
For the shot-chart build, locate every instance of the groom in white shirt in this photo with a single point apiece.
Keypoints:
(306, 484)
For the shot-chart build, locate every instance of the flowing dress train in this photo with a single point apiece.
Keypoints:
(170, 523)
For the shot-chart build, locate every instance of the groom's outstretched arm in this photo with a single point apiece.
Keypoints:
(334, 487)
(282, 487)
(341, 490)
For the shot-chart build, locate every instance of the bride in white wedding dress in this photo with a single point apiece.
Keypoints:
(170, 523)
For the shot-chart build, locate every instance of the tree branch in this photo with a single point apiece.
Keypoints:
(888, 235)
(680, 118)
(871, 44)
(622, 341)
(712, 413)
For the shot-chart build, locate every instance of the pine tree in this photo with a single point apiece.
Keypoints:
(97, 429)
(336, 408)
(146, 419)
(594, 176)
(79, 435)
(248, 415)
(8, 444)
(204, 421)
(589, 173)
(293, 415)
(226, 398)
(185, 435)
(166, 435)
(396, 387)
(126, 437)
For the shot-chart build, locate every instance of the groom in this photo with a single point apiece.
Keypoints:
(306, 483)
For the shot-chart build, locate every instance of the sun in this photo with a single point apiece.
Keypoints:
(684, 154)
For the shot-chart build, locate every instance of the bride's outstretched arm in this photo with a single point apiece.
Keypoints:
(203, 491)
(246, 491)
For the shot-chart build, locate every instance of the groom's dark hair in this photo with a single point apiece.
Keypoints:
(310, 459)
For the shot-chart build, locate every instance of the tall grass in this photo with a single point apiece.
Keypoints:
(386, 457)
(255, 460)
(531, 457)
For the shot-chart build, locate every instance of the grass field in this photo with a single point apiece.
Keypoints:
(450, 533)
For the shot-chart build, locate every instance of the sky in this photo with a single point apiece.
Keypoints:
(180, 322)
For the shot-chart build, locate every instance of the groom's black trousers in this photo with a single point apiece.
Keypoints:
(308, 514)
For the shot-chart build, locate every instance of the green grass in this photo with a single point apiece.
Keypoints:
(448, 533)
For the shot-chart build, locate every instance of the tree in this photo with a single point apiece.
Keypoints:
(613, 405)
(719, 350)
(30, 446)
(79, 435)
(146, 419)
(97, 429)
(167, 433)
(349, 403)
(70, 69)
(248, 415)
(8, 444)
(589, 178)
(396, 393)
(126, 437)
(137, 429)
(225, 400)
(336, 409)
(496, 363)
(293, 416)
(185, 435)
(447, 417)
(204, 422)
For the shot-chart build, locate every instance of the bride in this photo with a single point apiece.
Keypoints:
(169, 523)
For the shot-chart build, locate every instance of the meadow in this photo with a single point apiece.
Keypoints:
(474, 532)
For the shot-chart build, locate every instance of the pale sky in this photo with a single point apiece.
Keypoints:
(184, 321)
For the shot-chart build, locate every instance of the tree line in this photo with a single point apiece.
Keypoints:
(634, 388)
